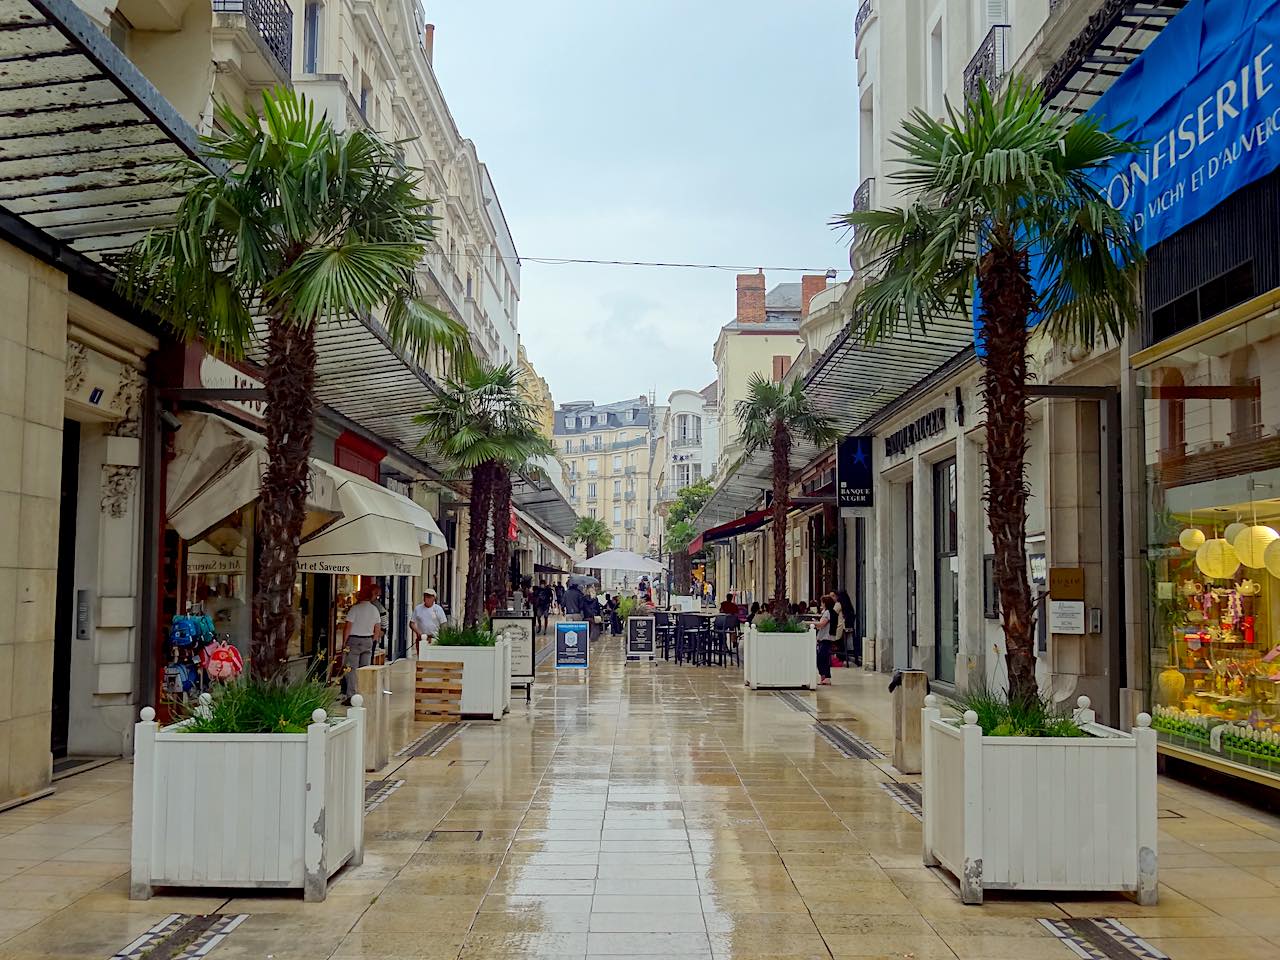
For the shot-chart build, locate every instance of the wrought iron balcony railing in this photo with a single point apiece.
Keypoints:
(271, 20)
(989, 64)
(863, 197)
(860, 21)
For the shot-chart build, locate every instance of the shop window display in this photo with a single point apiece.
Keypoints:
(1213, 468)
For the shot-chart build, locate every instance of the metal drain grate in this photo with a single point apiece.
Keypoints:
(795, 702)
(455, 836)
(182, 936)
(433, 741)
(378, 791)
(1102, 938)
(851, 745)
(907, 796)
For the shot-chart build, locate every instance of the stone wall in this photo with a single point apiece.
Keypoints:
(33, 323)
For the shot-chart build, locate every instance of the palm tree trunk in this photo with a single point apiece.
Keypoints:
(477, 535)
(501, 527)
(289, 383)
(682, 570)
(781, 504)
(1007, 299)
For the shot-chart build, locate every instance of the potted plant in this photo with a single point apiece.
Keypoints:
(285, 225)
(1019, 797)
(486, 667)
(780, 653)
(1004, 200)
(260, 786)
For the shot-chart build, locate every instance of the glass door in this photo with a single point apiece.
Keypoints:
(946, 582)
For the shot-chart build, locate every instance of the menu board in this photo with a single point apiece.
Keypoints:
(519, 630)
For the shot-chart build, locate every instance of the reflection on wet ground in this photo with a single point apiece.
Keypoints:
(654, 811)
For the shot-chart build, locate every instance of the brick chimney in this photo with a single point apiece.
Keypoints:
(810, 286)
(429, 42)
(751, 297)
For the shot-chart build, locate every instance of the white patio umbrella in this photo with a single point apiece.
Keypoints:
(621, 560)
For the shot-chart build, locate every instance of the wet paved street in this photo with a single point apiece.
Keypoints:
(648, 811)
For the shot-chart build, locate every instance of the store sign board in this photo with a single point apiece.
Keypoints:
(1203, 100)
(855, 478)
(930, 425)
(217, 374)
(1067, 616)
(518, 630)
(640, 638)
(573, 648)
(1066, 583)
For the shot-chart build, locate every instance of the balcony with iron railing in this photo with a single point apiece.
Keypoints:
(990, 64)
(864, 14)
(680, 443)
(269, 23)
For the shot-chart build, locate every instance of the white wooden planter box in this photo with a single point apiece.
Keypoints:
(779, 660)
(1028, 813)
(247, 810)
(486, 676)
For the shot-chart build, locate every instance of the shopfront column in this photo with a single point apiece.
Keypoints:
(926, 633)
(971, 525)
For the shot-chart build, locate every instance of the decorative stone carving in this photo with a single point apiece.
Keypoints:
(77, 362)
(117, 489)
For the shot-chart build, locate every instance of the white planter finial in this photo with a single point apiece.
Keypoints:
(970, 718)
(147, 714)
(1083, 703)
(357, 700)
(1144, 719)
(318, 715)
(931, 700)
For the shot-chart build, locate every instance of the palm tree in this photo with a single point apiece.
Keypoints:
(593, 534)
(285, 225)
(485, 427)
(773, 415)
(1005, 197)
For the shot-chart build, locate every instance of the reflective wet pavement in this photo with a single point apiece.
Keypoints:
(653, 811)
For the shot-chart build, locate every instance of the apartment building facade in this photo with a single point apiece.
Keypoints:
(607, 451)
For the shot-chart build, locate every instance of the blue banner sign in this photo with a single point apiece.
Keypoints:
(573, 648)
(1204, 100)
(855, 478)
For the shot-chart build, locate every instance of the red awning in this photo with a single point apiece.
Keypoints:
(734, 528)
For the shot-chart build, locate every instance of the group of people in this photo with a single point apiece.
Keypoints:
(834, 626)
(366, 625)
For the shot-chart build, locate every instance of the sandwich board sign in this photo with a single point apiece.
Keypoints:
(573, 649)
(640, 638)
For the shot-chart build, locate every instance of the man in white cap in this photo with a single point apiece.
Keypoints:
(428, 618)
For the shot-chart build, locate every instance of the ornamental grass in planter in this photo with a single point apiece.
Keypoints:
(486, 667)
(780, 653)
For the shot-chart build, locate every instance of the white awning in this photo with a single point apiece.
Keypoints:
(217, 468)
(380, 533)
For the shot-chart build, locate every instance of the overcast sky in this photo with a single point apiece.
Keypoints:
(710, 131)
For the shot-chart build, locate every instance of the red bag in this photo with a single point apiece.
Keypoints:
(836, 662)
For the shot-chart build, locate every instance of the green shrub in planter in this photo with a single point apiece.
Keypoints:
(998, 716)
(785, 625)
(259, 706)
(451, 636)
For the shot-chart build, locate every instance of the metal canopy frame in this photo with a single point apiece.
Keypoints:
(1112, 39)
(850, 382)
(86, 145)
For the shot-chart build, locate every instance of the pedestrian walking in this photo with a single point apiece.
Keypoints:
(823, 628)
(428, 618)
(361, 632)
(541, 608)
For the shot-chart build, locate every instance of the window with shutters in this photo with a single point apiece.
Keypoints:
(781, 364)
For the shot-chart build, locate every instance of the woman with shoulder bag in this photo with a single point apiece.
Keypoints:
(826, 619)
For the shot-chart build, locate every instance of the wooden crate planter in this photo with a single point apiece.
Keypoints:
(779, 660)
(264, 810)
(1030, 813)
(486, 676)
(438, 691)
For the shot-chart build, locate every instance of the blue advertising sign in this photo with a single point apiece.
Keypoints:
(573, 645)
(1204, 99)
(855, 480)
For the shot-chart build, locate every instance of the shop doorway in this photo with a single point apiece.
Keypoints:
(946, 583)
(64, 626)
(859, 583)
(902, 656)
